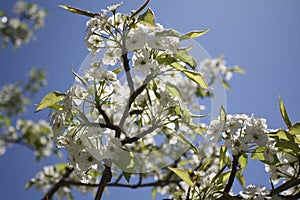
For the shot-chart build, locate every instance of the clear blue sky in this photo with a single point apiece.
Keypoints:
(260, 36)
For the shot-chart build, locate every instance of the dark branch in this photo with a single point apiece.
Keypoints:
(136, 138)
(235, 163)
(132, 97)
(127, 71)
(56, 187)
(105, 179)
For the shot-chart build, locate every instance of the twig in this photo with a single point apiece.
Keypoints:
(286, 185)
(132, 186)
(127, 71)
(132, 97)
(61, 182)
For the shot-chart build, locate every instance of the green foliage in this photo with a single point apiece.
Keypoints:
(50, 101)
(295, 129)
(193, 34)
(183, 174)
(147, 18)
(284, 113)
(78, 11)
(182, 55)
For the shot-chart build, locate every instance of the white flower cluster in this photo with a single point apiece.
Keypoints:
(115, 33)
(19, 29)
(87, 119)
(12, 100)
(255, 192)
(212, 68)
(240, 133)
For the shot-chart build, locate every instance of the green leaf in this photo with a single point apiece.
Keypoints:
(295, 129)
(167, 33)
(173, 90)
(226, 84)
(147, 18)
(207, 164)
(61, 167)
(238, 70)
(192, 34)
(127, 176)
(29, 184)
(139, 9)
(223, 150)
(284, 135)
(187, 142)
(78, 11)
(218, 174)
(182, 55)
(193, 75)
(243, 161)
(223, 114)
(154, 193)
(184, 175)
(118, 70)
(2, 13)
(223, 177)
(50, 100)
(288, 146)
(258, 153)
(240, 177)
(284, 114)
(196, 77)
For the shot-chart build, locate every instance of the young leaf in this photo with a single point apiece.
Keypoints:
(184, 175)
(78, 11)
(147, 18)
(238, 70)
(154, 193)
(182, 55)
(240, 177)
(139, 10)
(192, 34)
(284, 114)
(127, 176)
(196, 77)
(167, 33)
(223, 114)
(118, 70)
(243, 161)
(173, 90)
(295, 129)
(226, 84)
(187, 142)
(258, 153)
(50, 100)
(223, 150)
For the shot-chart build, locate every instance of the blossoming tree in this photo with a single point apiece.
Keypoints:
(135, 109)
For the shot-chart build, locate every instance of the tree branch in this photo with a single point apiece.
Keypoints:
(132, 97)
(127, 70)
(61, 182)
(235, 163)
(105, 179)
(286, 186)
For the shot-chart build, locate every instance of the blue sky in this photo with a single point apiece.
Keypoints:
(260, 36)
